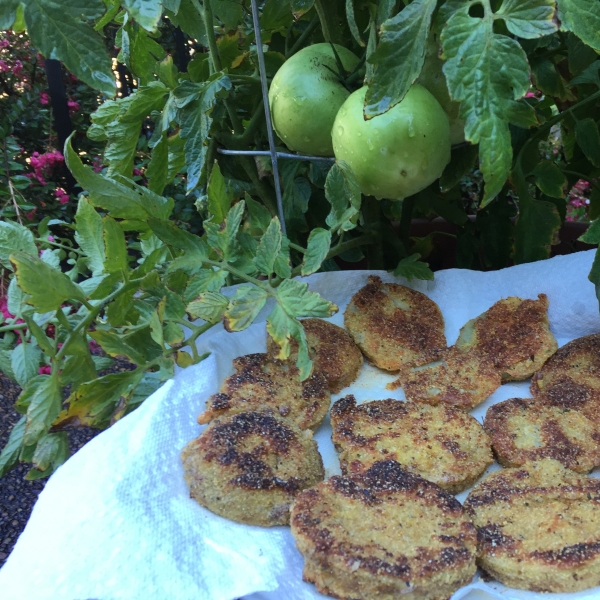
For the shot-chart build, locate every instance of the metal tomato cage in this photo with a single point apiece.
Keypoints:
(272, 152)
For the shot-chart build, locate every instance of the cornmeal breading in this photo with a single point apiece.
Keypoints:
(455, 377)
(383, 534)
(525, 429)
(394, 325)
(249, 467)
(332, 351)
(514, 334)
(441, 444)
(539, 527)
(260, 383)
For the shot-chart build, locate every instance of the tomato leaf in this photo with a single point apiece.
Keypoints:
(352, 23)
(301, 7)
(588, 138)
(146, 12)
(582, 17)
(319, 242)
(534, 231)
(158, 167)
(529, 19)
(209, 306)
(592, 233)
(244, 307)
(461, 162)
(44, 406)
(116, 248)
(223, 238)
(550, 179)
(89, 236)
(399, 57)
(205, 280)
(10, 452)
(298, 301)
(114, 345)
(219, 196)
(13, 238)
(343, 193)
(412, 268)
(25, 361)
(52, 449)
(269, 248)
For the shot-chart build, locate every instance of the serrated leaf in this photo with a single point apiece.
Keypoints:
(298, 301)
(89, 235)
(146, 12)
(222, 238)
(44, 406)
(589, 75)
(352, 23)
(588, 138)
(219, 196)
(183, 359)
(81, 367)
(7, 18)
(535, 228)
(52, 449)
(529, 19)
(550, 81)
(399, 57)
(158, 167)
(461, 162)
(40, 337)
(592, 233)
(51, 257)
(191, 21)
(115, 345)
(259, 216)
(282, 266)
(594, 274)
(116, 247)
(143, 101)
(5, 364)
(244, 307)
(173, 334)
(47, 287)
(487, 73)
(343, 193)
(412, 268)
(16, 299)
(15, 237)
(319, 242)
(269, 248)
(57, 32)
(10, 452)
(581, 17)
(205, 280)
(195, 119)
(301, 7)
(550, 179)
(209, 306)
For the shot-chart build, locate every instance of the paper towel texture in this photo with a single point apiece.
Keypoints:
(116, 522)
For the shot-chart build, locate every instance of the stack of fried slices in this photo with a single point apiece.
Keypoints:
(390, 524)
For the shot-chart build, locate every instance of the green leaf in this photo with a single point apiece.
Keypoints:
(80, 367)
(592, 233)
(115, 345)
(549, 80)
(191, 21)
(399, 57)
(52, 449)
(487, 73)
(343, 193)
(298, 301)
(173, 334)
(158, 167)
(205, 280)
(411, 268)
(319, 242)
(588, 138)
(301, 7)
(57, 32)
(16, 299)
(219, 196)
(534, 231)
(116, 247)
(230, 12)
(461, 162)
(47, 287)
(352, 23)
(594, 274)
(144, 101)
(195, 119)
(282, 265)
(13, 238)
(209, 306)
(276, 15)
(43, 341)
(244, 307)
(269, 248)
(140, 52)
(5, 364)
(550, 179)
(529, 19)
(146, 12)
(10, 452)
(221, 238)
(89, 235)
(156, 329)
(44, 406)
(582, 17)
(7, 18)
(259, 216)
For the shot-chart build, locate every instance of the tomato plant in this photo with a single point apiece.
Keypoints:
(139, 268)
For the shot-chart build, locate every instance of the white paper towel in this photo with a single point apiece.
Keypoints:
(116, 522)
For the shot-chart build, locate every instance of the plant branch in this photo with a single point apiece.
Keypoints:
(13, 327)
(262, 189)
(11, 189)
(581, 176)
(207, 12)
(305, 34)
(363, 240)
(58, 245)
(323, 19)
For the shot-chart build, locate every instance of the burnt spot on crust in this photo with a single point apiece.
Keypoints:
(491, 539)
(565, 392)
(220, 401)
(378, 566)
(569, 555)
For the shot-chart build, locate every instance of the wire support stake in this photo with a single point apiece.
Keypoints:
(265, 92)
(279, 155)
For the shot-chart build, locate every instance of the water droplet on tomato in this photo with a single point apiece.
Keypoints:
(340, 130)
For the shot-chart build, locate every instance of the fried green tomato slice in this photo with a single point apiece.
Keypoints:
(514, 334)
(454, 377)
(384, 534)
(538, 527)
(332, 351)
(394, 325)
(249, 467)
(525, 429)
(442, 444)
(261, 383)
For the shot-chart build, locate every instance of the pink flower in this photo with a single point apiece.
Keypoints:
(18, 68)
(45, 370)
(4, 308)
(50, 238)
(73, 106)
(44, 98)
(4, 43)
(97, 166)
(4, 67)
(137, 173)
(94, 346)
(61, 196)
(31, 214)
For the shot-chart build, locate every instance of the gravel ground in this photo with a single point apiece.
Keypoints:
(17, 495)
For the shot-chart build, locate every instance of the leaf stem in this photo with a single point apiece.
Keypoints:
(323, 19)
(210, 33)
(298, 44)
(581, 176)
(13, 327)
(59, 245)
(297, 248)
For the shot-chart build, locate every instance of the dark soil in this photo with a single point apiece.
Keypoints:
(17, 495)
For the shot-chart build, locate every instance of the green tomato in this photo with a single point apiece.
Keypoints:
(433, 79)
(305, 96)
(398, 153)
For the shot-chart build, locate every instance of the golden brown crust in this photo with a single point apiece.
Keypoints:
(382, 534)
(394, 325)
(525, 429)
(263, 384)
(514, 334)
(571, 378)
(539, 527)
(441, 444)
(450, 376)
(332, 351)
(249, 467)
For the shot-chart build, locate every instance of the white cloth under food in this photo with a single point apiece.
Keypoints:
(115, 521)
